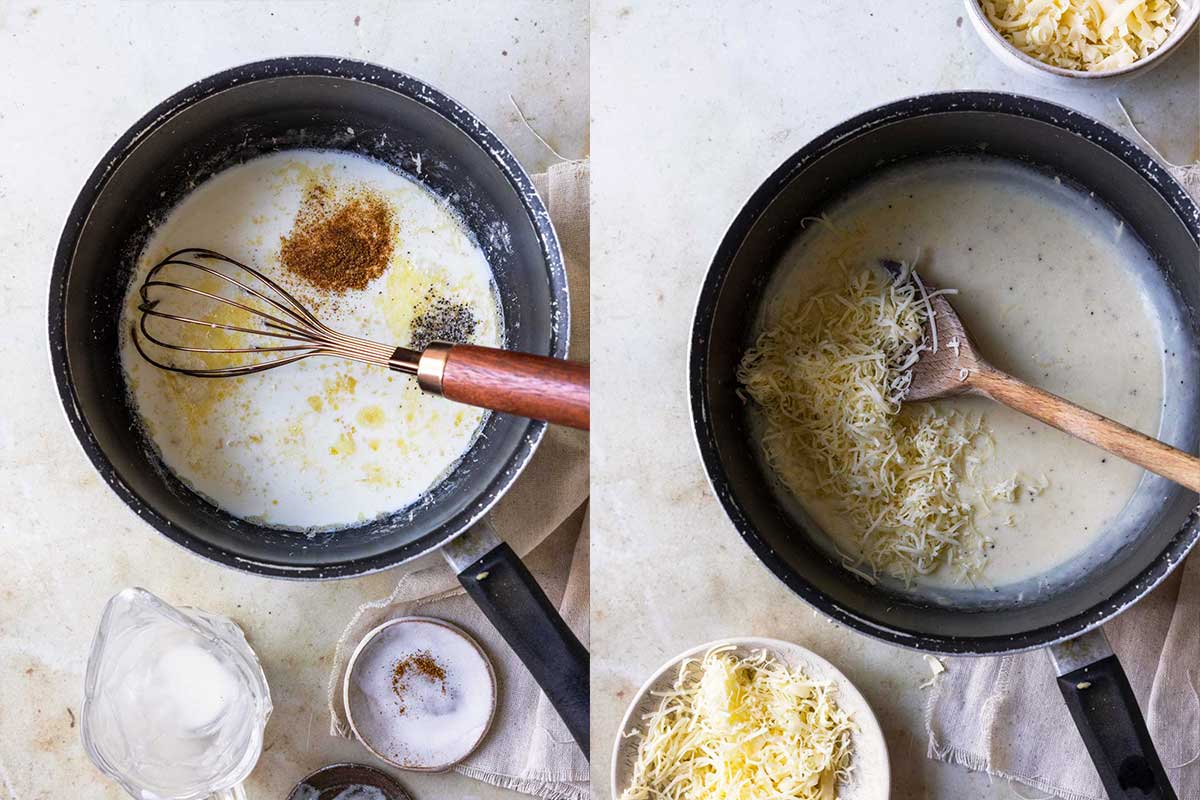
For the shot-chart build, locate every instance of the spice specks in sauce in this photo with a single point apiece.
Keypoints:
(323, 443)
(443, 320)
(340, 243)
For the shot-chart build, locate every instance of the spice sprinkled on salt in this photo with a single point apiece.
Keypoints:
(420, 693)
(415, 673)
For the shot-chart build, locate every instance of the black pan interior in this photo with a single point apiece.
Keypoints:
(1036, 134)
(230, 118)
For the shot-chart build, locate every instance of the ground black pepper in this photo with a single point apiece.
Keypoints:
(442, 320)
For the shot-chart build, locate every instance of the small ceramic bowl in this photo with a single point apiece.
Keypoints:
(354, 780)
(416, 720)
(1188, 15)
(872, 773)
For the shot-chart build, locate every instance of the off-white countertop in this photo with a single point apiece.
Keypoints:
(72, 79)
(692, 108)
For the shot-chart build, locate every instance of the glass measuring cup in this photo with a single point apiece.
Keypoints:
(175, 701)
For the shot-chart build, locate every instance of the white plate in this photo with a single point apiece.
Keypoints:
(872, 774)
(433, 734)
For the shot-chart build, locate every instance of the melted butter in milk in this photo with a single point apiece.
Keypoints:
(322, 443)
(1051, 289)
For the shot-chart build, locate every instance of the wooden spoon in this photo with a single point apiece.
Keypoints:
(962, 370)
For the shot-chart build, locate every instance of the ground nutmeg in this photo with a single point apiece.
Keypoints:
(340, 240)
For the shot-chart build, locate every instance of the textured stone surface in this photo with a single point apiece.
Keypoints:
(72, 79)
(692, 108)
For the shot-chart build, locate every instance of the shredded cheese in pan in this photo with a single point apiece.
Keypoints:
(1086, 35)
(828, 376)
(743, 728)
(1010, 490)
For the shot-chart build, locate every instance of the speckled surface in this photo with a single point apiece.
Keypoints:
(692, 109)
(73, 79)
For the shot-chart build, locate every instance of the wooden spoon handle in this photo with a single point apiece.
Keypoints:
(550, 389)
(1159, 458)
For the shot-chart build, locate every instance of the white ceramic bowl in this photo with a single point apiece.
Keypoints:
(1188, 16)
(872, 773)
(395, 737)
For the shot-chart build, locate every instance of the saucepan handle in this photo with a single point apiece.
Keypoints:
(538, 387)
(510, 597)
(1106, 712)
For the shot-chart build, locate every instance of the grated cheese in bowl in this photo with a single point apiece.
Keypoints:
(743, 727)
(1084, 35)
(828, 375)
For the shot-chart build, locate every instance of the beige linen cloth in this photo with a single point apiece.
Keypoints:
(1005, 715)
(544, 518)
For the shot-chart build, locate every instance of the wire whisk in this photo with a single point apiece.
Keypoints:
(283, 318)
(216, 295)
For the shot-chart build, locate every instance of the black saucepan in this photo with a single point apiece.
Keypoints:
(1065, 612)
(360, 108)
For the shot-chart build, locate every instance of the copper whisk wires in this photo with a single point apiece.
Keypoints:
(287, 319)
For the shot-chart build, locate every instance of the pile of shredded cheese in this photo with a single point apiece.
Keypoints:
(1086, 35)
(743, 728)
(828, 376)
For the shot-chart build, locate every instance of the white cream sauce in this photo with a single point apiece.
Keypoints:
(322, 443)
(1053, 290)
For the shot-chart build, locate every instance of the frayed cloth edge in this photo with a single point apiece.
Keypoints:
(979, 763)
(550, 790)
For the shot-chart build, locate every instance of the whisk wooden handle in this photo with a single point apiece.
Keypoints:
(550, 389)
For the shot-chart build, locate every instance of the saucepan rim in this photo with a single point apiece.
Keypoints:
(234, 79)
(698, 369)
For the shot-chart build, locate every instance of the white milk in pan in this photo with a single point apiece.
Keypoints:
(323, 443)
(1053, 290)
